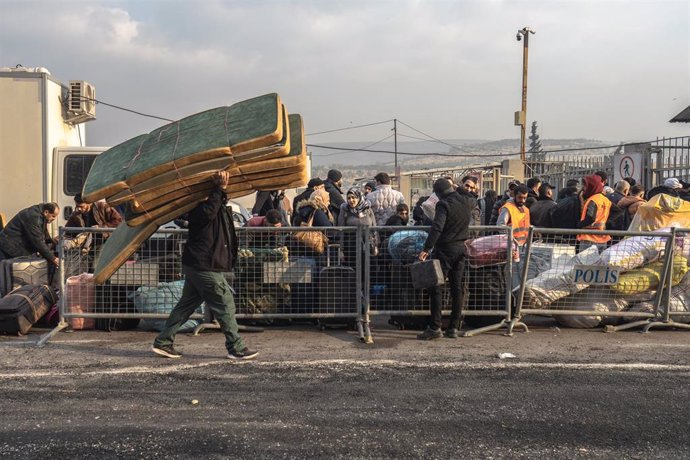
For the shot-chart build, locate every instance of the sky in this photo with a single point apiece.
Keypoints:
(607, 70)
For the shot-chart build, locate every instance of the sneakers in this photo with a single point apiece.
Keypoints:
(430, 334)
(166, 350)
(243, 354)
(451, 333)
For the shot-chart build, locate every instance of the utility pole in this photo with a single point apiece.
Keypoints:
(395, 143)
(521, 117)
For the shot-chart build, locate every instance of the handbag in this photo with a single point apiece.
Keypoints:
(314, 240)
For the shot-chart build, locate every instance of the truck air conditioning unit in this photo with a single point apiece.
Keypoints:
(81, 106)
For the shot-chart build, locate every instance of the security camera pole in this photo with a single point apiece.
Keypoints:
(521, 117)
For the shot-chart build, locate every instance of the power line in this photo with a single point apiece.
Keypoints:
(410, 153)
(350, 127)
(357, 150)
(126, 110)
(430, 136)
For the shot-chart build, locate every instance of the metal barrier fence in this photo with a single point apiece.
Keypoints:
(486, 277)
(292, 273)
(583, 284)
(344, 275)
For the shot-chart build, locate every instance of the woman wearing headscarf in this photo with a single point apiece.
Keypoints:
(595, 213)
(355, 211)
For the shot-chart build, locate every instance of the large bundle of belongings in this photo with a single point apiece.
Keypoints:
(640, 264)
(163, 174)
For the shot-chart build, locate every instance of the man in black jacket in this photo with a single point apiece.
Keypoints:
(333, 184)
(447, 236)
(27, 233)
(540, 212)
(211, 249)
(533, 184)
(498, 204)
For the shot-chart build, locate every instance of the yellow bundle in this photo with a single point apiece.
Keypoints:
(648, 278)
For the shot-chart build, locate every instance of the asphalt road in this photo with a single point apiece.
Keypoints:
(568, 394)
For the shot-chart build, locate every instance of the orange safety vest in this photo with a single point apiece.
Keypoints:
(519, 220)
(603, 210)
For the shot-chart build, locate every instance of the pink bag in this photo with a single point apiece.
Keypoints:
(80, 297)
(487, 250)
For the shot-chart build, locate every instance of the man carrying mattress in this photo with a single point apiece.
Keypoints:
(211, 249)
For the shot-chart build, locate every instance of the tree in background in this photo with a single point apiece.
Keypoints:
(535, 150)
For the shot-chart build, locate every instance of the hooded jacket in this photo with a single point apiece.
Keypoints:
(306, 208)
(593, 185)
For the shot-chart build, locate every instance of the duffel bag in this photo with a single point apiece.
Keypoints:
(23, 307)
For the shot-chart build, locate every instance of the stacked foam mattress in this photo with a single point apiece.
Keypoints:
(163, 174)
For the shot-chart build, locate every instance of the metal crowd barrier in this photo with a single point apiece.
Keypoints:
(277, 275)
(359, 272)
(588, 286)
(486, 278)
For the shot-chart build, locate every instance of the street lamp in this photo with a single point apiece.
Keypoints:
(521, 116)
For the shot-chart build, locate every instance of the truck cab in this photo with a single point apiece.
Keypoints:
(71, 165)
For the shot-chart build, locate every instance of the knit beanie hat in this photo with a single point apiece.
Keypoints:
(335, 175)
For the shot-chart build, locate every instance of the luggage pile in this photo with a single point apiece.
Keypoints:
(640, 260)
(163, 174)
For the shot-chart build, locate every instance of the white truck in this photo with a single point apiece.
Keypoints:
(42, 139)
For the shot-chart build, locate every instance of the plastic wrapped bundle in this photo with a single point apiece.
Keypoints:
(160, 299)
(429, 206)
(678, 302)
(634, 252)
(648, 278)
(590, 300)
(404, 246)
(557, 283)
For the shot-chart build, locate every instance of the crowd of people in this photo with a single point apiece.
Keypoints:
(589, 204)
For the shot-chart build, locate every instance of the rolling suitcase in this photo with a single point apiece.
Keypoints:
(23, 307)
(337, 288)
(21, 271)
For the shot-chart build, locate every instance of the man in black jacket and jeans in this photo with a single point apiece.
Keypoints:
(447, 238)
(211, 249)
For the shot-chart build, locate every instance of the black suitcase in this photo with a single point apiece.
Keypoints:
(427, 274)
(22, 271)
(337, 287)
(23, 307)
